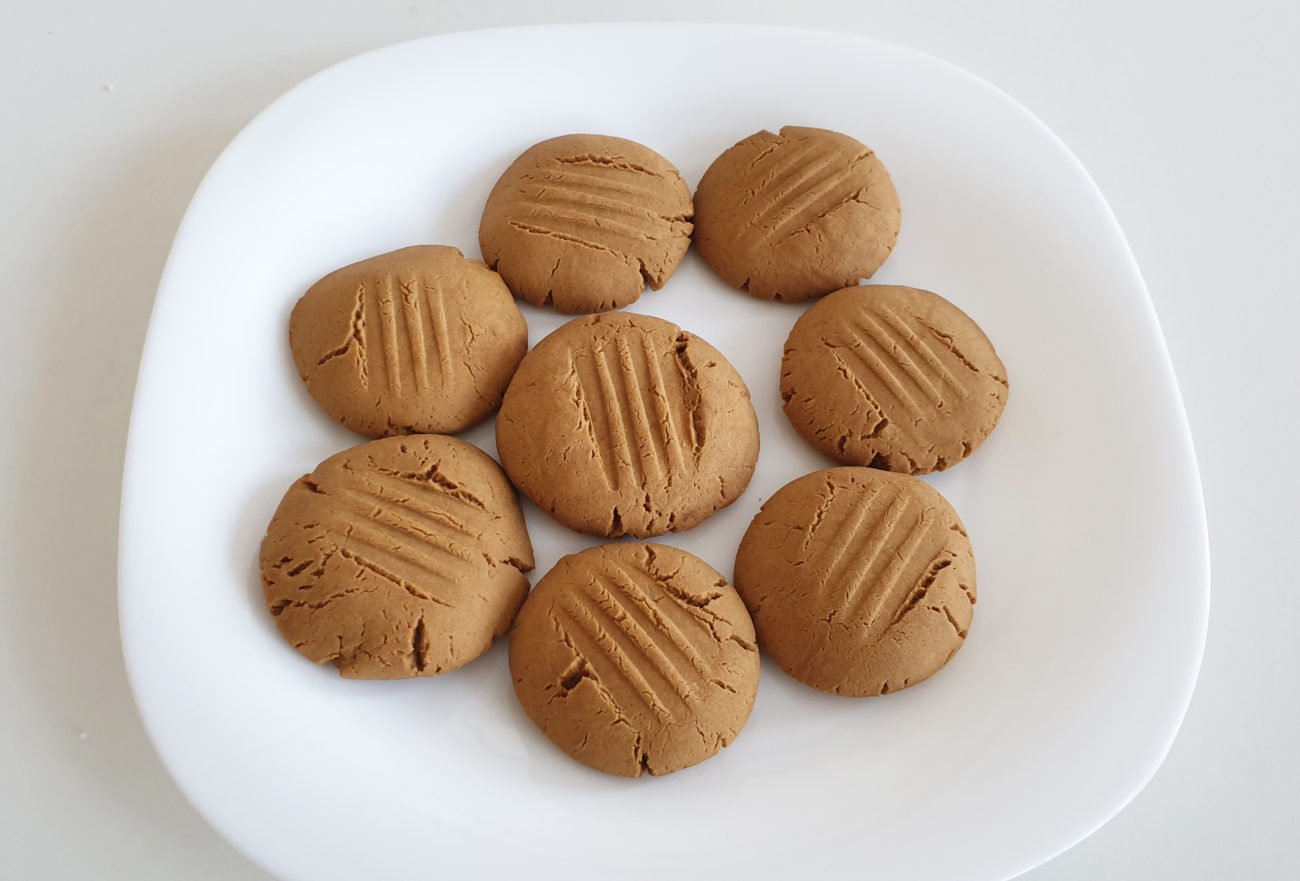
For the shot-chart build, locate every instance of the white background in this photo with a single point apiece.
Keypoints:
(1186, 113)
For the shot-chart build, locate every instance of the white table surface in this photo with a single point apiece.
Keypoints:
(1186, 113)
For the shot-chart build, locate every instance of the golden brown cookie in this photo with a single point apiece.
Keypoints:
(399, 557)
(420, 340)
(796, 215)
(891, 377)
(635, 657)
(860, 582)
(585, 222)
(625, 424)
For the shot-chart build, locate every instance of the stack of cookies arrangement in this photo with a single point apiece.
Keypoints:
(407, 555)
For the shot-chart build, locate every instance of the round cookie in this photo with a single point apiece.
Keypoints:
(891, 377)
(399, 557)
(635, 657)
(625, 424)
(796, 215)
(860, 582)
(421, 340)
(584, 222)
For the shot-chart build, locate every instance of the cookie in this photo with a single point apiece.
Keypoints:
(796, 215)
(861, 582)
(420, 340)
(892, 377)
(585, 222)
(635, 658)
(399, 557)
(625, 424)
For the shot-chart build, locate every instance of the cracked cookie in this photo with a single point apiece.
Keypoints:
(399, 557)
(796, 215)
(860, 582)
(891, 377)
(635, 658)
(420, 340)
(624, 424)
(585, 222)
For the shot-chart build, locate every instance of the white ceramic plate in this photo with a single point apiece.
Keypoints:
(1084, 506)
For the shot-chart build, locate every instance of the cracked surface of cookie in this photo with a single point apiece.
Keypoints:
(892, 377)
(397, 558)
(860, 582)
(624, 424)
(420, 340)
(585, 222)
(795, 215)
(635, 658)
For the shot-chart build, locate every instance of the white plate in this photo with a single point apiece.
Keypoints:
(1084, 506)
